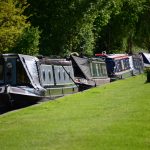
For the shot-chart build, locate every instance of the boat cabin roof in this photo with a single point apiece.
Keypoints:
(113, 56)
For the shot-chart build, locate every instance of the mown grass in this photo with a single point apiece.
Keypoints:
(115, 116)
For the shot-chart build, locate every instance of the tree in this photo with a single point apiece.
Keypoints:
(28, 42)
(12, 23)
(87, 25)
(69, 25)
(103, 28)
(142, 38)
(120, 32)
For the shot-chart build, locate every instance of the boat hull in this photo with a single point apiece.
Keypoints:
(18, 97)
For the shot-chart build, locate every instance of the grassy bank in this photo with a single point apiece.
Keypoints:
(115, 116)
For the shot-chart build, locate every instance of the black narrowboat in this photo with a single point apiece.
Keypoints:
(89, 72)
(25, 80)
(19, 80)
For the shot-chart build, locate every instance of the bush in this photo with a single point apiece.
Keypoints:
(12, 23)
(147, 72)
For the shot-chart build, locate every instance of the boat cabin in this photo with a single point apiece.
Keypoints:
(136, 64)
(19, 79)
(146, 59)
(26, 79)
(57, 77)
(118, 65)
(89, 72)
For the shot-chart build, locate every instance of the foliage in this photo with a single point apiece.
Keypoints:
(119, 33)
(70, 26)
(12, 23)
(28, 42)
(142, 38)
(102, 25)
(147, 72)
(85, 26)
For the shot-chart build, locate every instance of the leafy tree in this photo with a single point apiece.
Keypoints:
(69, 25)
(120, 32)
(28, 42)
(12, 23)
(103, 27)
(142, 38)
(84, 25)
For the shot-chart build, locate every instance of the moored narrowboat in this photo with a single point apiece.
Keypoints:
(26, 80)
(19, 80)
(136, 64)
(89, 72)
(57, 77)
(118, 65)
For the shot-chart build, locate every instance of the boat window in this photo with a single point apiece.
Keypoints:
(126, 64)
(103, 69)
(49, 73)
(136, 63)
(98, 69)
(64, 76)
(94, 71)
(122, 64)
(118, 66)
(43, 75)
(22, 78)
(69, 75)
(59, 75)
(1, 71)
(9, 72)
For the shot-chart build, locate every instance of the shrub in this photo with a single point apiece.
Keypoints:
(147, 72)
(12, 23)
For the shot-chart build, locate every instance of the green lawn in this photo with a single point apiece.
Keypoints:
(115, 116)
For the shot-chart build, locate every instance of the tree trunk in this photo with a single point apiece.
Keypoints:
(129, 45)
